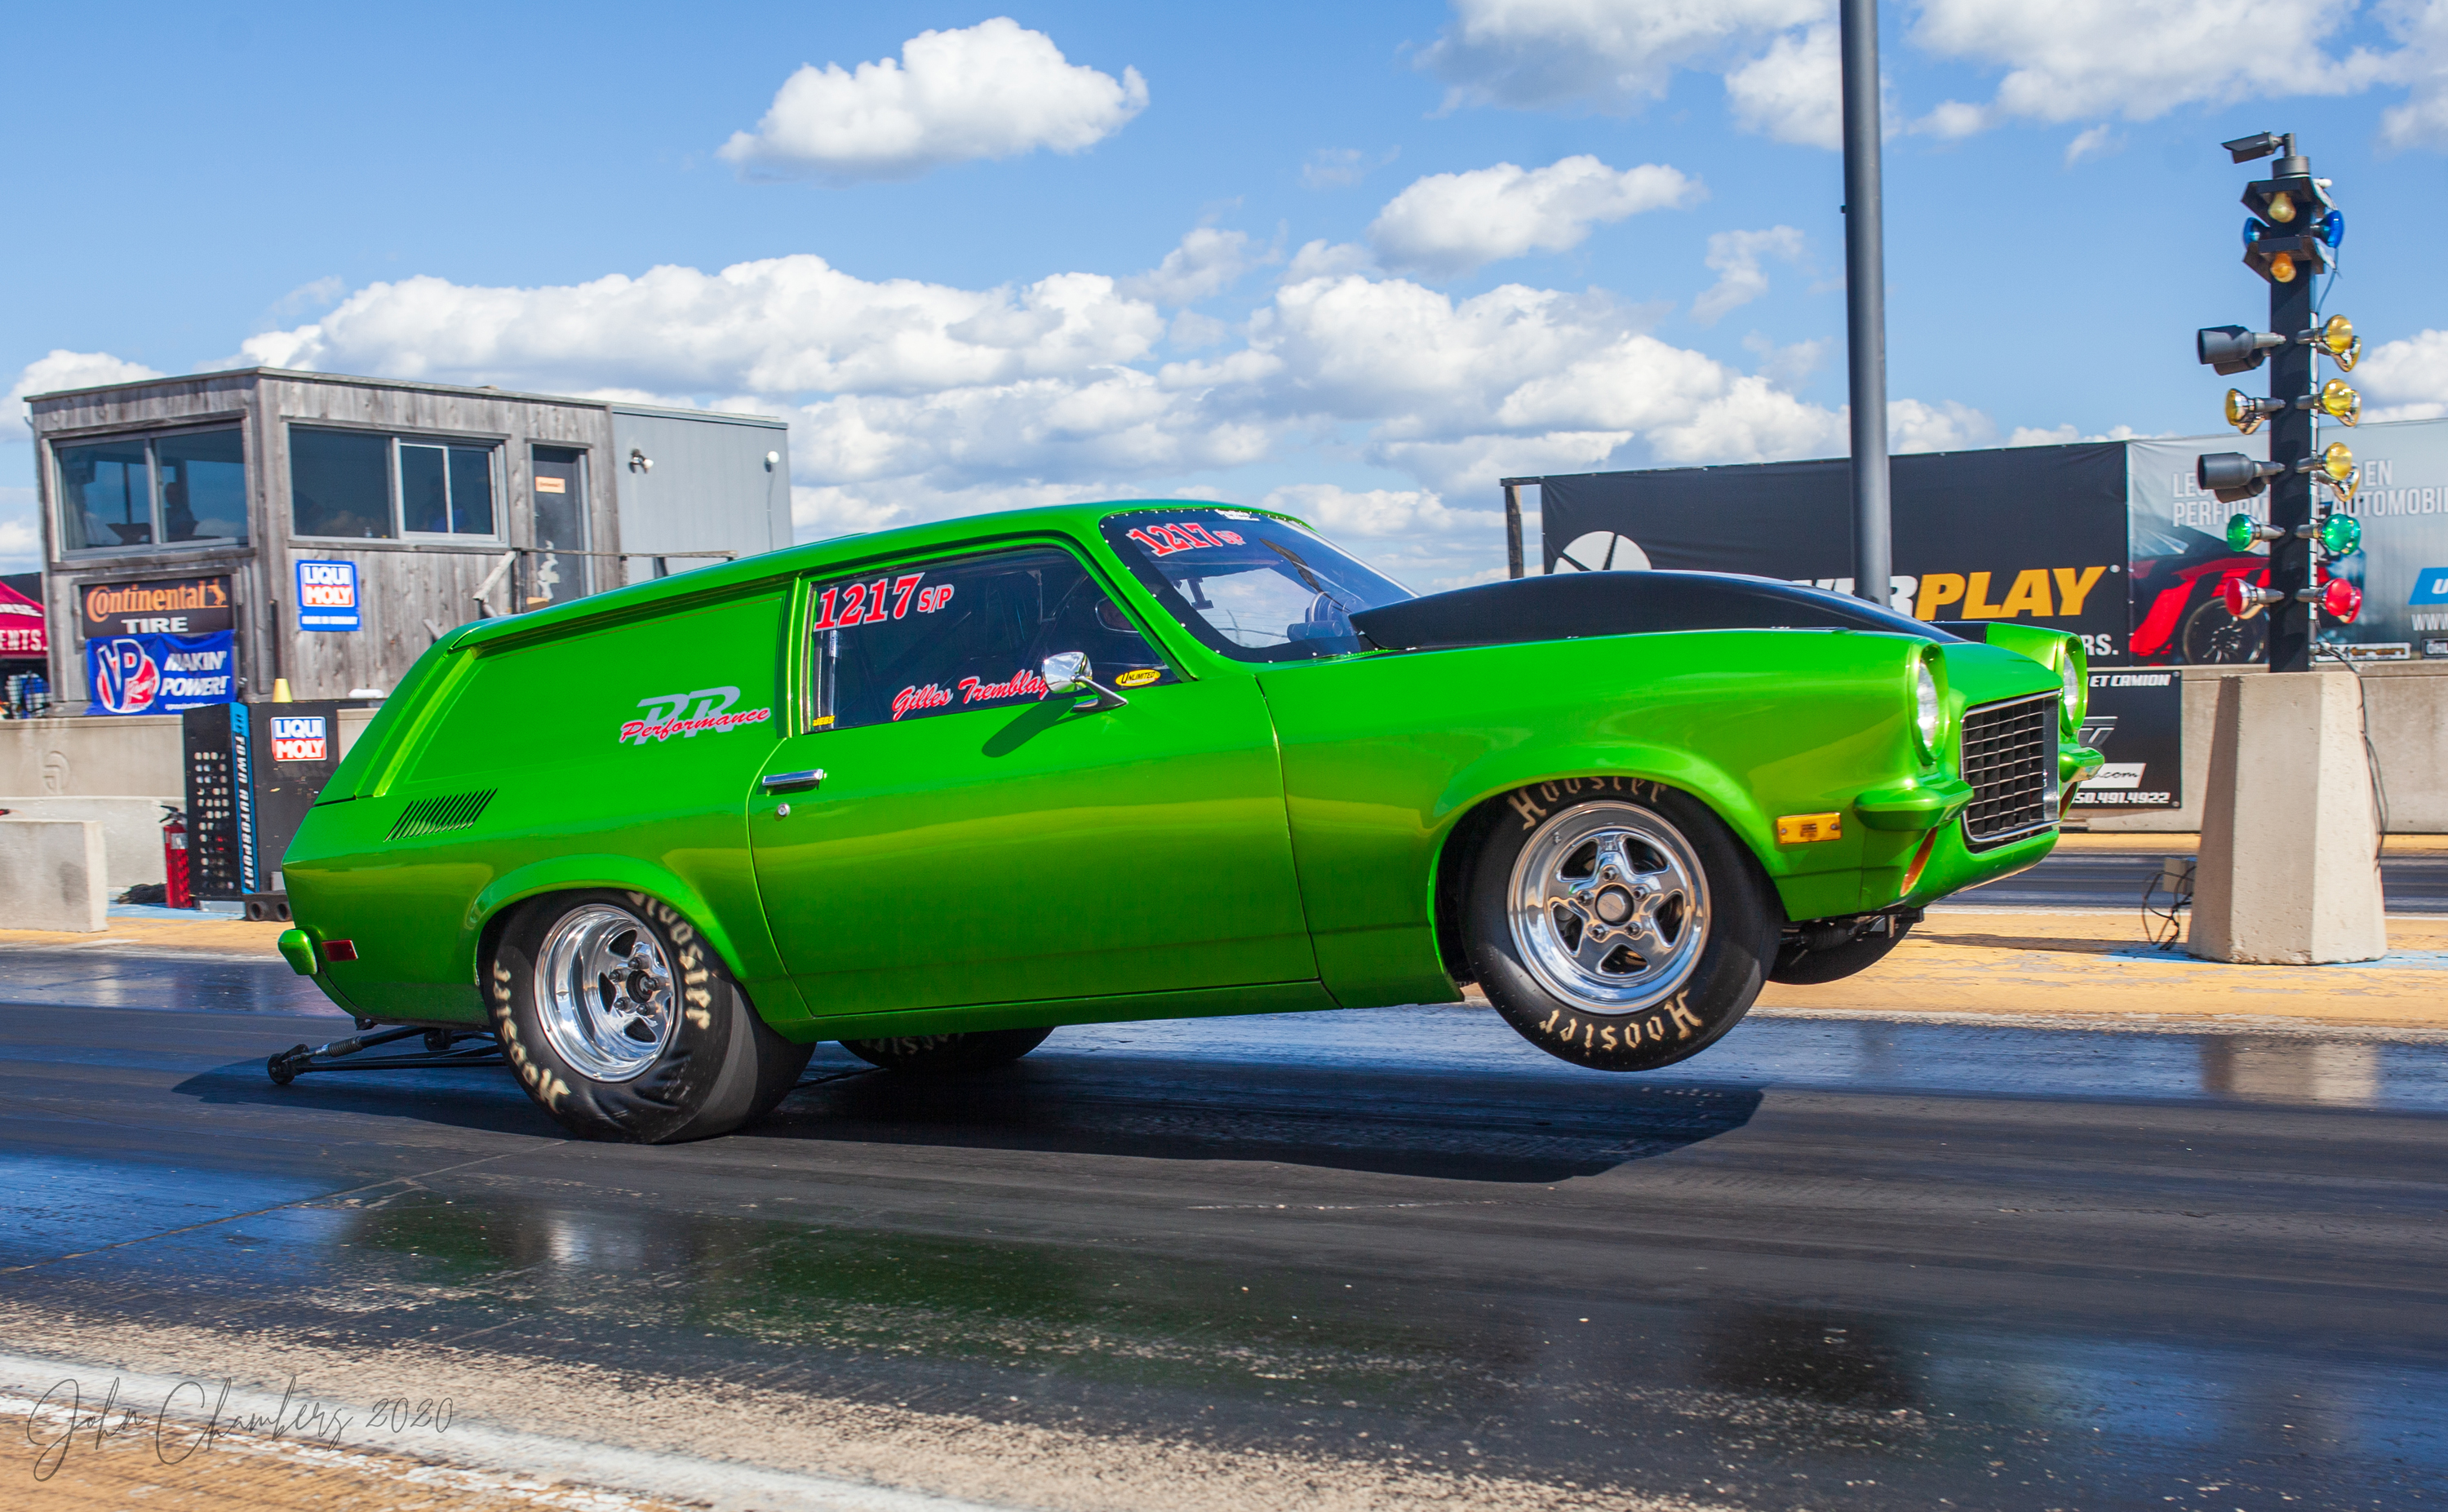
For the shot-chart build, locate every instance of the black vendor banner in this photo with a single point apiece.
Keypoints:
(2136, 719)
(2030, 533)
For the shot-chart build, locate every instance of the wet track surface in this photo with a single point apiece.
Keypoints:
(1842, 1263)
(2413, 883)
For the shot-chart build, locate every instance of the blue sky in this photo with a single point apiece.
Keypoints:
(994, 321)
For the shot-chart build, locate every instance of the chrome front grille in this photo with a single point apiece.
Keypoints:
(2010, 757)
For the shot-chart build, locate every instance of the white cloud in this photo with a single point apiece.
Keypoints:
(1449, 224)
(1913, 426)
(993, 90)
(1609, 55)
(1328, 260)
(21, 543)
(911, 401)
(781, 325)
(1341, 167)
(1377, 512)
(1735, 257)
(2096, 142)
(63, 369)
(2422, 121)
(1792, 92)
(2405, 379)
(2026, 436)
(2140, 59)
(1208, 262)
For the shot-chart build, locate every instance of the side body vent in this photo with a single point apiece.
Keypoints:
(435, 815)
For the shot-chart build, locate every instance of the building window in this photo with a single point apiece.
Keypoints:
(968, 634)
(153, 490)
(339, 482)
(367, 486)
(561, 570)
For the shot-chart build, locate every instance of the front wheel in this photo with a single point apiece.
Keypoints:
(1619, 925)
(624, 1023)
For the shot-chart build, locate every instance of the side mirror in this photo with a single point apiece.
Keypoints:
(1069, 672)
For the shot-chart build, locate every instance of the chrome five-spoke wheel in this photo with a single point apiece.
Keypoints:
(606, 991)
(1609, 907)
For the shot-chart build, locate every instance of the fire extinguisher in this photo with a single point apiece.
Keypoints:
(177, 892)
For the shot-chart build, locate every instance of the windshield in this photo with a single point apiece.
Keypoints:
(1253, 586)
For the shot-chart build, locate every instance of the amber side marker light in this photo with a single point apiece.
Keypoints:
(1920, 860)
(1809, 828)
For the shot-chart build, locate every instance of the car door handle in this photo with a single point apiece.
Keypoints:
(775, 781)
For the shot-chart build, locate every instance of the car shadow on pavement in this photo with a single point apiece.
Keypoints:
(1454, 1125)
(1388, 1120)
(483, 1098)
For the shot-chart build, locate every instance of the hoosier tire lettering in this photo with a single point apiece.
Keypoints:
(715, 1066)
(1619, 925)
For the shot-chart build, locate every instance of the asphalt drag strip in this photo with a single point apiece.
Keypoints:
(1372, 1259)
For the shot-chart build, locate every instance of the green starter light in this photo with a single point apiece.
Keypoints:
(2243, 533)
(2341, 534)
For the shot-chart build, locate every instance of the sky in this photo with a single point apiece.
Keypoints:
(1358, 261)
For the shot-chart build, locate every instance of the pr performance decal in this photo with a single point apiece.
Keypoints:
(690, 715)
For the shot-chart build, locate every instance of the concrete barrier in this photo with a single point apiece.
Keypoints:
(131, 830)
(2408, 704)
(91, 756)
(51, 875)
(100, 756)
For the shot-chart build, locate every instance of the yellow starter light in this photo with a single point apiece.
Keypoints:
(2340, 402)
(2282, 267)
(2338, 340)
(2241, 412)
(2338, 462)
(2282, 207)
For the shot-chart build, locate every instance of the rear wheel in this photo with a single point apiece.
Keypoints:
(622, 1023)
(1619, 925)
(943, 1054)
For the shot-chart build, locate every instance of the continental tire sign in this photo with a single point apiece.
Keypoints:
(196, 605)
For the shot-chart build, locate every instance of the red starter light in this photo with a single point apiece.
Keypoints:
(2341, 600)
(2233, 594)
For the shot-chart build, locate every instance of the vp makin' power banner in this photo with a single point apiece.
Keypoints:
(159, 674)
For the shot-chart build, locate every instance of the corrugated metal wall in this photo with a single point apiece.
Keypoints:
(712, 487)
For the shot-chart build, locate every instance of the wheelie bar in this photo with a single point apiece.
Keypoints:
(479, 1050)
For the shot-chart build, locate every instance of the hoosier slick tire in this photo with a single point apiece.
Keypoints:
(1616, 923)
(943, 1054)
(623, 1023)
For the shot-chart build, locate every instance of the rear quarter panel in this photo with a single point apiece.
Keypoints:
(537, 724)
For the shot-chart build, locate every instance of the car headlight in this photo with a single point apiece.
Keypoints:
(2071, 677)
(1929, 711)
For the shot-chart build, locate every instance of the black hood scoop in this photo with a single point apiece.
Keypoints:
(1568, 604)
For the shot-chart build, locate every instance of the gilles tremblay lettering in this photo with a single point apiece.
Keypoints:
(689, 714)
(1022, 684)
(194, 1416)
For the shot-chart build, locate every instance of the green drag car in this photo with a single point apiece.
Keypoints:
(933, 792)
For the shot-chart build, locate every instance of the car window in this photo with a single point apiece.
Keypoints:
(967, 634)
(1253, 586)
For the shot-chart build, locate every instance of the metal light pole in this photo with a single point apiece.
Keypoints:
(1866, 299)
(2291, 623)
